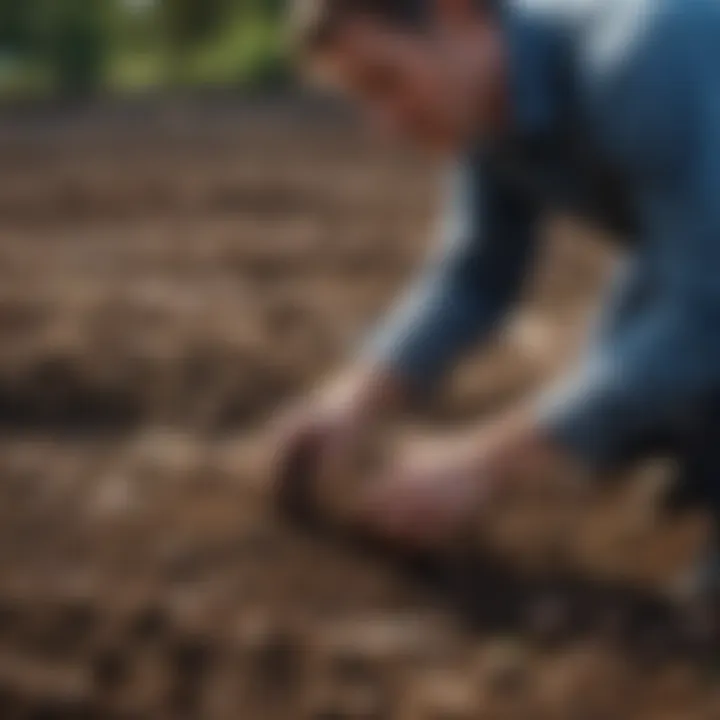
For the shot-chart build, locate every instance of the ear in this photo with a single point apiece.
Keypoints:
(458, 12)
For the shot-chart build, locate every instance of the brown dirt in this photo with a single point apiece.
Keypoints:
(165, 282)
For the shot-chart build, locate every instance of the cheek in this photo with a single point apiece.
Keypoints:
(435, 97)
(410, 109)
(420, 100)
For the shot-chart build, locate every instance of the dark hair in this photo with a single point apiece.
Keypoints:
(313, 22)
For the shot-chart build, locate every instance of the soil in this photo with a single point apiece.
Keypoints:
(169, 277)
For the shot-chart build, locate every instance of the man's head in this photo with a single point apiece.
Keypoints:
(429, 70)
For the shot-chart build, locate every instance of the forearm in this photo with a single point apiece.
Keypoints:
(488, 238)
(441, 317)
(372, 388)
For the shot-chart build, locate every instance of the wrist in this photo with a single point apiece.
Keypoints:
(369, 391)
(516, 449)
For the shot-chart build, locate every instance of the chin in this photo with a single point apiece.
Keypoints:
(445, 145)
(438, 142)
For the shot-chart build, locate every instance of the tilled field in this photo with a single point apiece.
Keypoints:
(168, 277)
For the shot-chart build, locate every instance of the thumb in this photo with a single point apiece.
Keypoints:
(336, 463)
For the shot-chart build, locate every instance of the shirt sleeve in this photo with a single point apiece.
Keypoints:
(666, 360)
(485, 250)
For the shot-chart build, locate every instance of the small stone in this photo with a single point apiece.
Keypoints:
(504, 669)
(549, 619)
(381, 640)
(441, 695)
(356, 703)
(114, 497)
(149, 622)
(110, 667)
(273, 653)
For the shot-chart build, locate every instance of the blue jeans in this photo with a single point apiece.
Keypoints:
(693, 439)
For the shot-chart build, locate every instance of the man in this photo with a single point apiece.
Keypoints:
(607, 108)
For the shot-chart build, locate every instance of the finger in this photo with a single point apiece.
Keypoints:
(294, 474)
(335, 460)
(289, 427)
(413, 520)
(387, 511)
(373, 509)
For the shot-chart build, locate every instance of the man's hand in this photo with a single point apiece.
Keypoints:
(333, 422)
(433, 493)
(428, 495)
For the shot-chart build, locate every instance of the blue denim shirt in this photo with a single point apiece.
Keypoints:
(641, 79)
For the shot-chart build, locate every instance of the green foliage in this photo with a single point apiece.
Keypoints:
(74, 37)
(80, 46)
(249, 52)
(188, 22)
(15, 25)
(68, 38)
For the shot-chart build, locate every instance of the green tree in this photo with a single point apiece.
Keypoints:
(188, 23)
(73, 37)
(15, 25)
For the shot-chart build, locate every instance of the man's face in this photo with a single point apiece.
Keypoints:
(432, 88)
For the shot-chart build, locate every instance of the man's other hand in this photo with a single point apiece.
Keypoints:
(435, 490)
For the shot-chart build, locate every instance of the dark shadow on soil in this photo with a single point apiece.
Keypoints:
(491, 597)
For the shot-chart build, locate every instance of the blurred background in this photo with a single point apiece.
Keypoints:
(188, 239)
(80, 48)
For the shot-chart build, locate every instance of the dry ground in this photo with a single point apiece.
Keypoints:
(168, 276)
